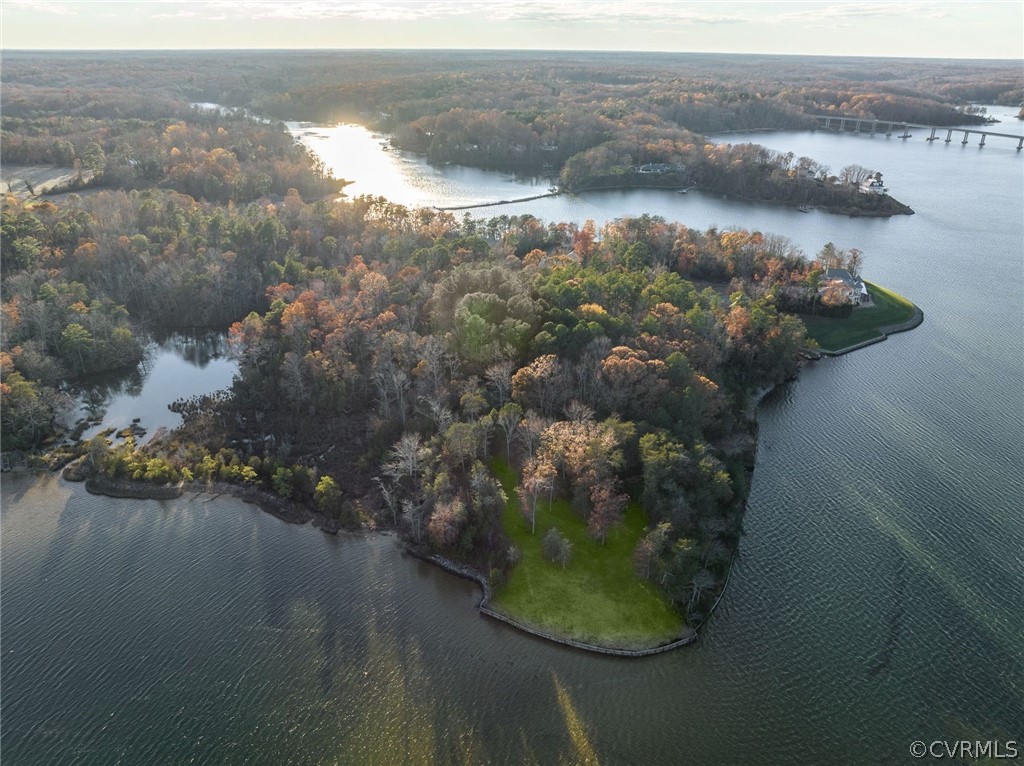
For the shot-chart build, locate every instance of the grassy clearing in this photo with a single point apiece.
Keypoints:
(863, 324)
(597, 598)
(41, 177)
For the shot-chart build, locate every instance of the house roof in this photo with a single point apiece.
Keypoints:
(842, 275)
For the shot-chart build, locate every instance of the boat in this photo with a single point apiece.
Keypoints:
(804, 208)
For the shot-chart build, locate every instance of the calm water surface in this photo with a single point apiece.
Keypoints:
(366, 159)
(177, 366)
(877, 601)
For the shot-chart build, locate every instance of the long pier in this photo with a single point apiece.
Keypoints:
(887, 128)
(499, 202)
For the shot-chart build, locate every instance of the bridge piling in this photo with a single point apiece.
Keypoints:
(858, 125)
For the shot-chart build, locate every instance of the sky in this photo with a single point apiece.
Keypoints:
(933, 29)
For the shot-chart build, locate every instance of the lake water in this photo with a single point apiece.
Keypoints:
(367, 160)
(877, 599)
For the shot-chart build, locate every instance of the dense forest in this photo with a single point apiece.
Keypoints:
(388, 355)
(202, 153)
(595, 119)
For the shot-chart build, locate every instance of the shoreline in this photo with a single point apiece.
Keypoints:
(288, 511)
(690, 633)
(886, 331)
(805, 207)
(832, 210)
(292, 512)
(483, 606)
(852, 212)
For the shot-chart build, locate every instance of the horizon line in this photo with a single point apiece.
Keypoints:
(603, 52)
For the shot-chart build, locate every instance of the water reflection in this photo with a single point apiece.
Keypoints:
(198, 349)
(354, 153)
(175, 366)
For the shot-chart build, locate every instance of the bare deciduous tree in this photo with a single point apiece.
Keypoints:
(499, 376)
(405, 458)
(509, 419)
(702, 581)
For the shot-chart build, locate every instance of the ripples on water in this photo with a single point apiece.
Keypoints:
(877, 599)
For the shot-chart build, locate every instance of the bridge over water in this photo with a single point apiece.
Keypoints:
(857, 125)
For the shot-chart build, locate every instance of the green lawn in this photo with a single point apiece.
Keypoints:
(833, 334)
(597, 598)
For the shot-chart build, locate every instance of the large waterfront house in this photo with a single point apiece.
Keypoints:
(853, 287)
(872, 186)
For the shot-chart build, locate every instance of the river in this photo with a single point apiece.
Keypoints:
(877, 599)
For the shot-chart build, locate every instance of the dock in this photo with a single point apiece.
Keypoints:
(499, 202)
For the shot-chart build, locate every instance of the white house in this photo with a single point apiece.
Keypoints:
(872, 186)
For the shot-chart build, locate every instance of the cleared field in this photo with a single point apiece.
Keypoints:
(597, 598)
(16, 179)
